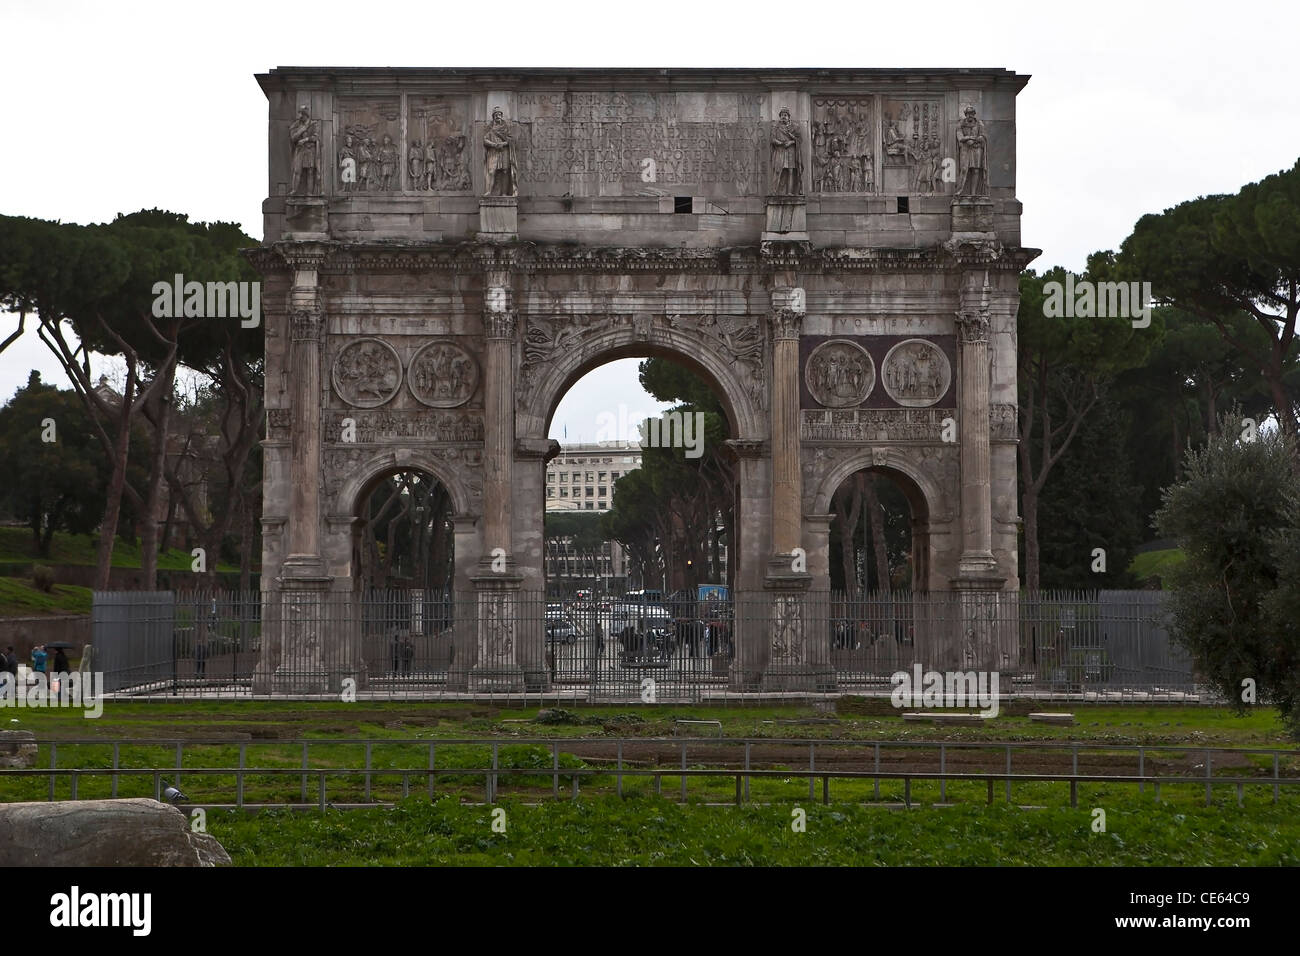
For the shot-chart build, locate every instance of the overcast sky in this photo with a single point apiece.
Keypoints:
(114, 107)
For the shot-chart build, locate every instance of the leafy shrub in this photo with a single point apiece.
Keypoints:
(43, 577)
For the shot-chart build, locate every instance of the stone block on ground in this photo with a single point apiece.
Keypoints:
(131, 832)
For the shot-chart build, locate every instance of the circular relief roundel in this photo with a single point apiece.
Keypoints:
(916, 373)
(367, 373)
(442, 375)
(840, 374)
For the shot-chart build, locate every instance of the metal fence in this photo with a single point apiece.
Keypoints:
(415, 644)
(366, 772)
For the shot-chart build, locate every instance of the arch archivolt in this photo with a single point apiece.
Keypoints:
(729, 350)
(925, 471)
(357, 470)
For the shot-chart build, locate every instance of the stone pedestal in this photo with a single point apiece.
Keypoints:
(972, 214)
(306, 217)
(990, 633)
(501, 615)
(787, 219)
(498, 218)
(301, 628)
(796, 631)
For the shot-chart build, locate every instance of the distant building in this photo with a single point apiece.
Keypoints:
(581, 478)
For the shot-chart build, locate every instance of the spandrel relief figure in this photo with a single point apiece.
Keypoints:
(972, 160)
(348, 165)
(415, 164)
(787, 163)
(387, 163)
(304, 135)
(820, 154)
(499, 171)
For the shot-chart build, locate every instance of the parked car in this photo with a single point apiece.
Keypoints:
(559, 629)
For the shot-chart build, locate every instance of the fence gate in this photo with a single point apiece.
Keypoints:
(132, 633)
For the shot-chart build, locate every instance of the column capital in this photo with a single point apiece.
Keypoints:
(500, 324)
(787, 324)
(305, 325)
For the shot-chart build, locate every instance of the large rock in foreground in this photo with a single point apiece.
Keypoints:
(134, 832)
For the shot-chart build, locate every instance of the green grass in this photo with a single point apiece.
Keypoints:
(20, 598)
(645, 831)
(1159, 563)
(16, 547)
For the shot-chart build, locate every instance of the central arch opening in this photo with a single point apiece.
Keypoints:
(640, 518)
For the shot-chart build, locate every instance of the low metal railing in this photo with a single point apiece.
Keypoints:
(616, 765)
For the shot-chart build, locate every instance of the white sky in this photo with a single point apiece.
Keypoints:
(112, 107)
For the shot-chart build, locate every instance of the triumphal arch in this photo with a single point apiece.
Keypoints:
(447, 250)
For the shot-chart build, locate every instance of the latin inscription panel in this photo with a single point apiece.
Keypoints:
(610, 143)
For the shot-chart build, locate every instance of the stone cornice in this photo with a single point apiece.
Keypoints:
(372, 80)
(349, 257)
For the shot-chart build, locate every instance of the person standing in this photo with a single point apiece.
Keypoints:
(38, 661)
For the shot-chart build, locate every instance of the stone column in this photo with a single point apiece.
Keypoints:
(988, 638)
(787, 478)
(299, 620)
(977, 560)
(500, 606)
(797, 649)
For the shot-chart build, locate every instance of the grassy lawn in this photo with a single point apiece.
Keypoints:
(646, 826)
(1156, 563)
(16, 547)
(644, 831)
(20, 598)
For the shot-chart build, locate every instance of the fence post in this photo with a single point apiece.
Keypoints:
(54, 762)
(620, 768)
(432, 754)
(747, 746)
(1275, 776)
(876, 787)
(1142, 763)
(683, 767)
(239, 777)
(943, 783)
(304, 769)
(1008, 773)
(116, 755)
(555, 769)
(179, 749)
(812, 767)
(367, 800)
(492, 787)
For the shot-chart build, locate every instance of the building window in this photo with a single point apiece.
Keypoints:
(613, 475)
(550, 477)
(591, 492)
(589, 508)
(550, 492)
(564, 476)
(601, 505)
(602, 476)
(564, 492)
